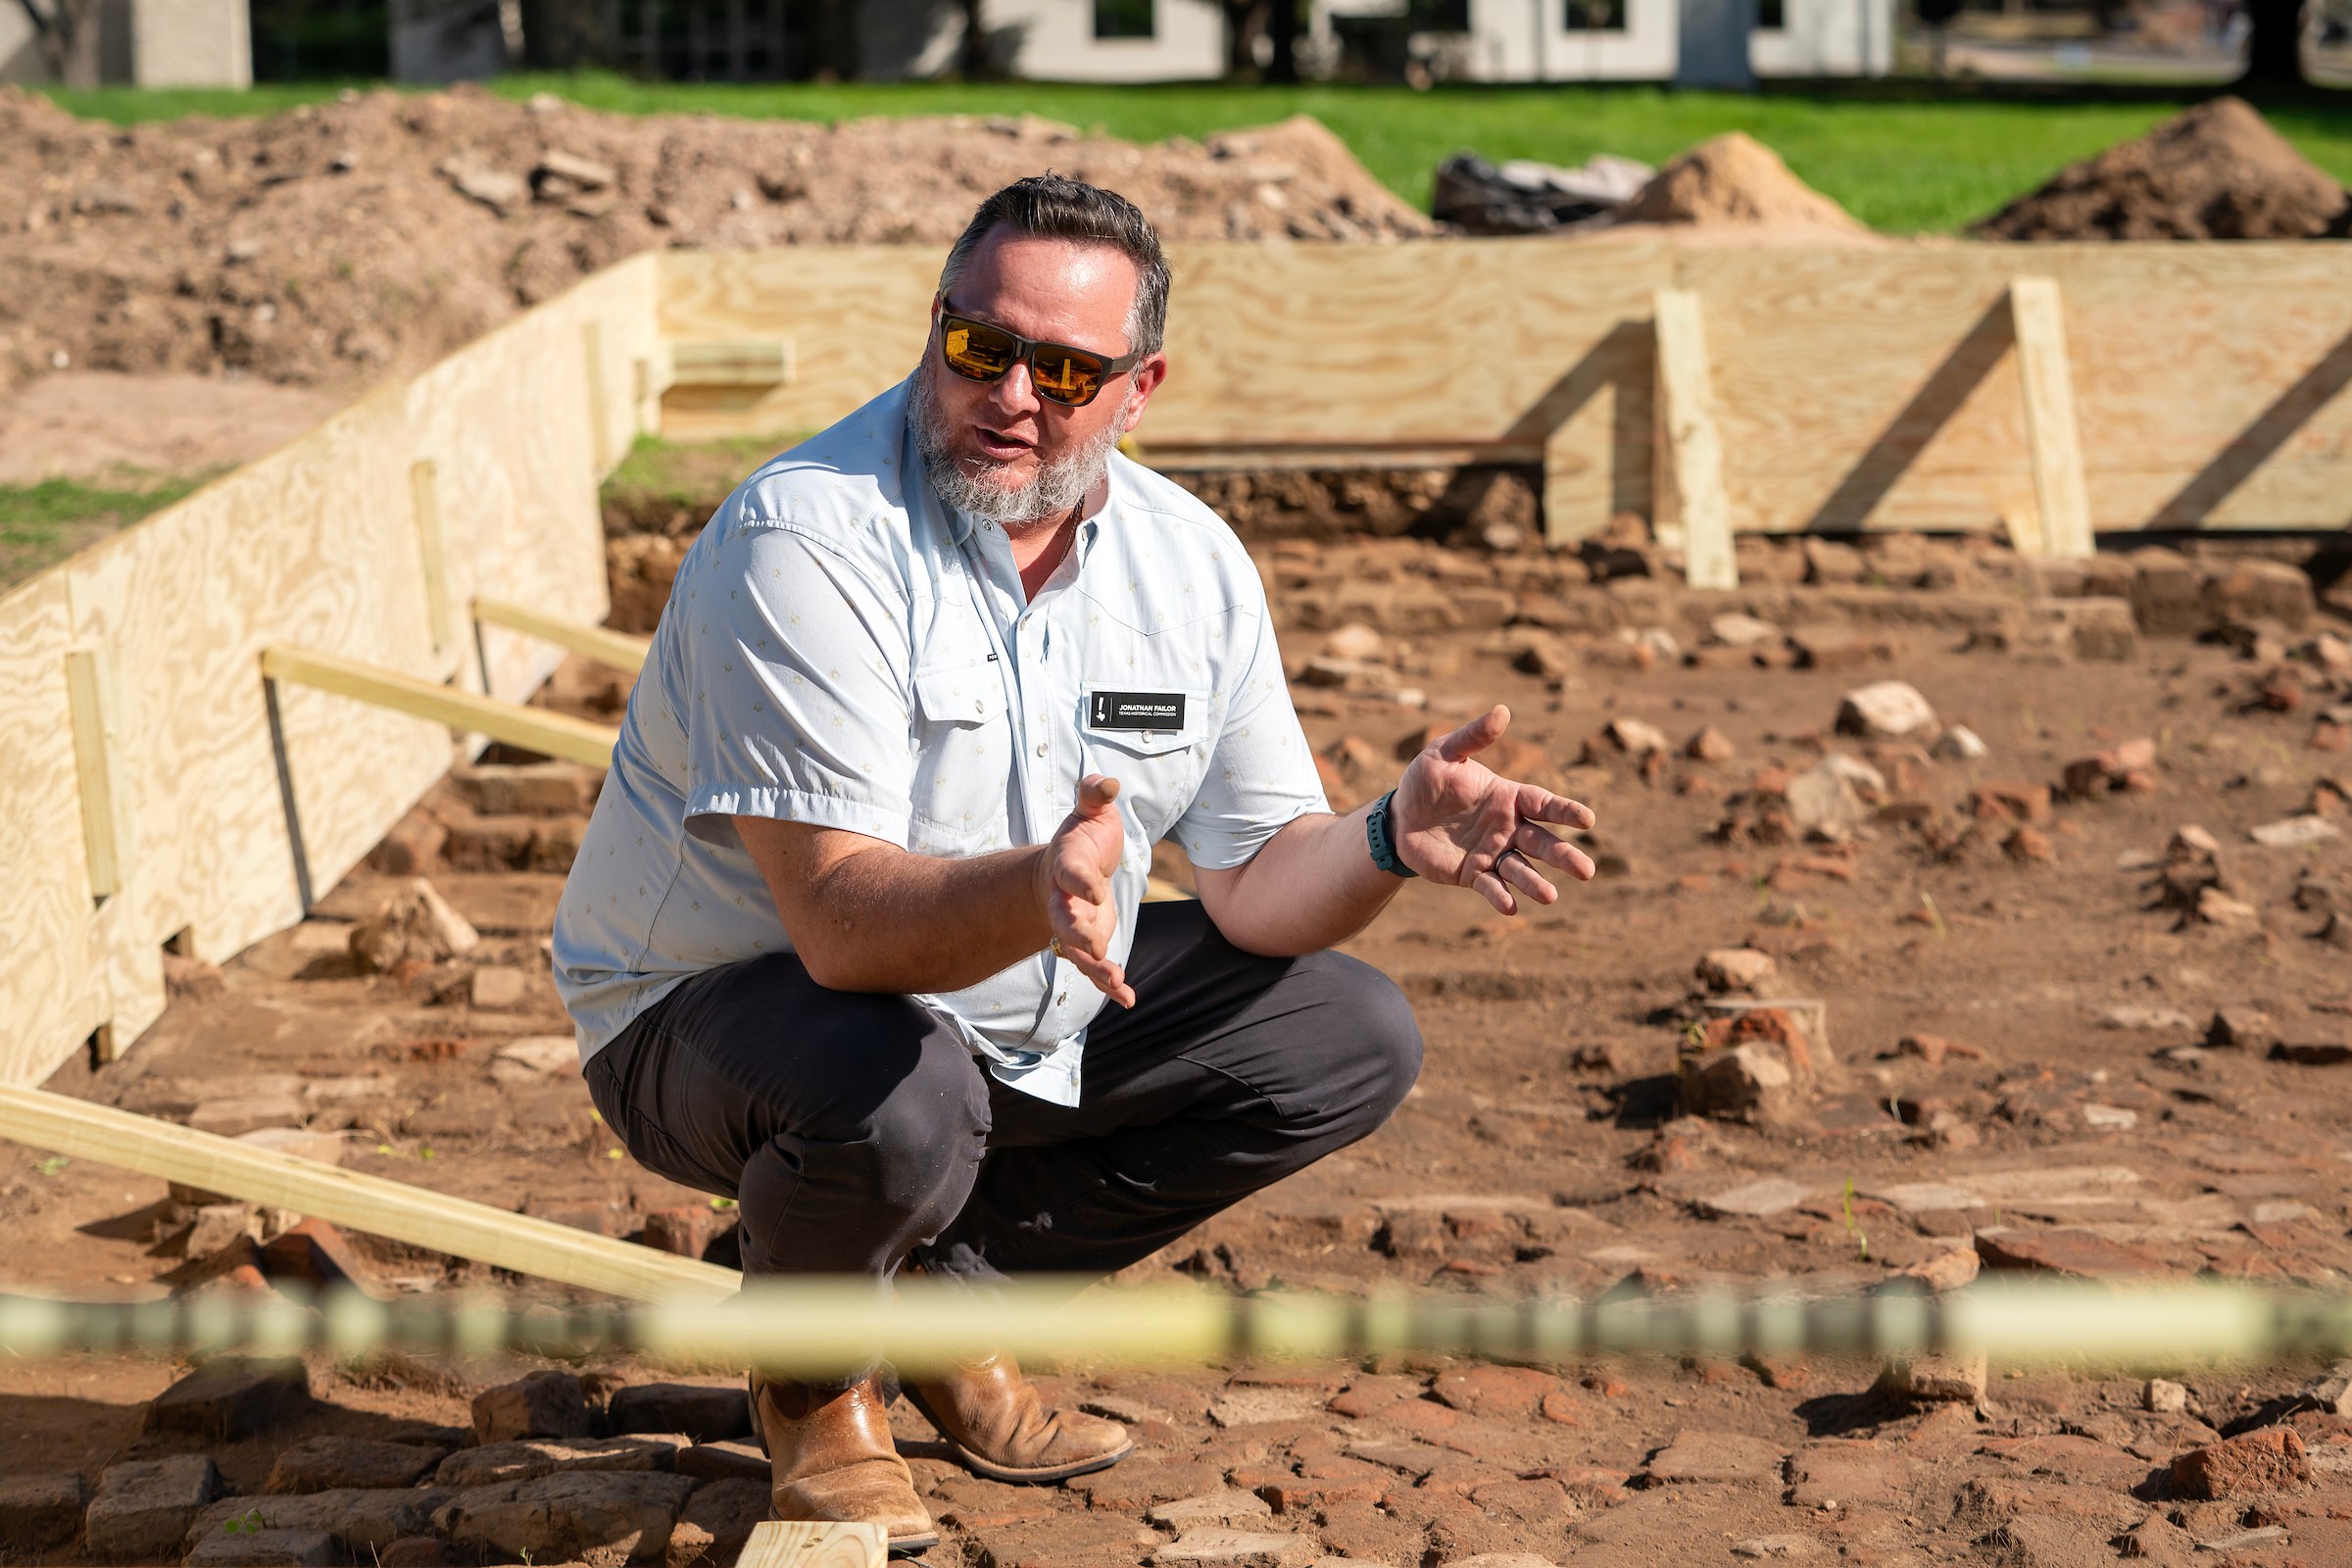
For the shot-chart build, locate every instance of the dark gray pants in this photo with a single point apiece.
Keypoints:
(857, 1130)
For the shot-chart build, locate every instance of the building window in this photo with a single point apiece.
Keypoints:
(1596, 15)
(1124, 18)
(1772, 15)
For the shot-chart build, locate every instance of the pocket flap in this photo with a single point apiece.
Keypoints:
(959, 694)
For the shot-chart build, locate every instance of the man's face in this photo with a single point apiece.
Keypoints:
(1001, 436)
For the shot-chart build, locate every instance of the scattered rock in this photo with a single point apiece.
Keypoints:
(2241, 1029)
(706, 1414)
(2077, 1254)
(317, 1464)
(1705, 1455)
(1758, 1065)
(1230, 1547)
(1709, 744)
(1777, 1547)
(413, 926)
(498, 988)
(1772, 1196)
(546, 1403)
(143, 1507)
(1227, 1508)
(363, 1521)
(534, 1059)
(2164, 1397)
(1886, 710)
(619, 1516)
(235, 1117)
(494, 188)
(2244, 1466)
(40, 1510)
(2129, 766)
(2294, 832)
(232, 1397)
(1735, 969)
(266, 1547)
(1633, 737)
(1960, 743)
(1947, 1270)
(1247, 1406)
(1822, 803)
(717, 1520)
(528, 1458)
(1937, 1377)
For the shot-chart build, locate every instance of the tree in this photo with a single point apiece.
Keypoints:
(2275, 46)
(974, 59)
(1245, 23)
(67, 30)
(1283, 34)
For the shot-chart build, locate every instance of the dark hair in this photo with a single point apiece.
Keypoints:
(1051, 206)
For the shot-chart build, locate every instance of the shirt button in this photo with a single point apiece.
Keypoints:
(1041, 748)
(1058, 1000)
(980, 707)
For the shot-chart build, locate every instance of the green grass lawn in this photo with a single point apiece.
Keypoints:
(41, 524)
(1901, 166)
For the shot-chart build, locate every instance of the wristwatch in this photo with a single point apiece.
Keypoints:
(1382, 839)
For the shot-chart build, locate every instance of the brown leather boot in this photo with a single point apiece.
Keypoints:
(834, 1463)
(992, 1417)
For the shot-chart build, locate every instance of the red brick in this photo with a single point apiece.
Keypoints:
(1507, 1392)
(2253, 1462)
(2078, 1254)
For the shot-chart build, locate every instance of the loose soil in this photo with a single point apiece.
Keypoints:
(2214, 171)
(1542, 1151)
(1733, 188)
(337, 242)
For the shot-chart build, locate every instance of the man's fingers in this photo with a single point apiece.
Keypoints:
(1477, 735)
(1490, 887)
(1556, 853)
(1109, 978)
(1081, 881)
(1520, 873)
(1542, 806)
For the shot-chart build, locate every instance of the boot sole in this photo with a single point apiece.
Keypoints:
(1038, 1476)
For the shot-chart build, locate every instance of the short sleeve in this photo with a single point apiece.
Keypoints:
(1261, 776)
(799, 701)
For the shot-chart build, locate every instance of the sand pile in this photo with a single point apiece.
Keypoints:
(336, 242)
(1734, 182)
(2216, 171)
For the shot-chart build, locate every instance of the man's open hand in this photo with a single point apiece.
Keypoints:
(1074, 883)
(1453, 816)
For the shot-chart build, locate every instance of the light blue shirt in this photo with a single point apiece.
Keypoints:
(841, 649)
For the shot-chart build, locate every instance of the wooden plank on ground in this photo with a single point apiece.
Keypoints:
(618, 649)
(64, 1125)
(1693, 442)
(781, 1544)
(532, 728)
(2053, 442)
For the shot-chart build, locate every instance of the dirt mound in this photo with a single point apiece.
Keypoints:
(339, 241)
(2214, 171)
(1735, 181)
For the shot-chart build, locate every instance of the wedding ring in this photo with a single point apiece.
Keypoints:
(1497, 865)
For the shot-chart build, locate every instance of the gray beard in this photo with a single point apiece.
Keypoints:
(1056, 489)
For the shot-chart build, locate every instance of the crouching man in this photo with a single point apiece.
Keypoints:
(866, 868)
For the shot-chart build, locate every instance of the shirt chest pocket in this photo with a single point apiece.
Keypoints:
(961, 753)
(1154, 742)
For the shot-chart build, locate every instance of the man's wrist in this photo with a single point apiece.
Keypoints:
(1380, 837)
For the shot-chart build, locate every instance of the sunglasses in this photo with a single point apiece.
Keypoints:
(979, 352)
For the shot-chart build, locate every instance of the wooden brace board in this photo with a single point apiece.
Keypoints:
(777, 1543)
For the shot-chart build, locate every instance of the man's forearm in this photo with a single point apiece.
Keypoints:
(896, 921)
(1312, 884)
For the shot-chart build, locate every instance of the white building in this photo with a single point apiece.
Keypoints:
(145, 43)
(1492, 40)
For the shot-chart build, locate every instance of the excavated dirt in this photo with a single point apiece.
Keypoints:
(2214, 171)
(1733, 187)
(2016, 953)
(337, 242)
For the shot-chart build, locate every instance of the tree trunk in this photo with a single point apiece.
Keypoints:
(973, 62)
(2275, 46)
(67, 30)
(1283, 32)
(1244, 24)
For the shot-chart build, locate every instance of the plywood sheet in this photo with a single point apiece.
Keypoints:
(48, 985)
(1879, 388)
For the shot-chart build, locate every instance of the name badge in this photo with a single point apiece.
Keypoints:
(1136, 711)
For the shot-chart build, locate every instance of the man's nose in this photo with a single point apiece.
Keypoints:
(1014, 392)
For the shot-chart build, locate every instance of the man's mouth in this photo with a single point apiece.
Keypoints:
(1000, 446)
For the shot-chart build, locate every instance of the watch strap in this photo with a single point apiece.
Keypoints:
(1380, 837)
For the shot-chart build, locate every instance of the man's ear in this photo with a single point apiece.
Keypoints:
(1147, 376)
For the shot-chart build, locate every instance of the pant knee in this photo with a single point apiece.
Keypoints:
(1389, 1039)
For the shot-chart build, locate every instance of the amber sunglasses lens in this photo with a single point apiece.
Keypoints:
(1064, 375)
(976, 349)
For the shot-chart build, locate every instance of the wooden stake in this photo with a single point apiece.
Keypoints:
(533, 729)
(600, 440)
(1693, 444)
(425, 496)
(2052, 440)
(779, 1544)
(440, 1223)
(105, 811)
(618, 649)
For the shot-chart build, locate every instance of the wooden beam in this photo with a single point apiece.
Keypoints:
(97, 766)
(1693, 442)
(592, 357)
(64, 1125)
(535, 729)
(730, 362)
(779, 1544)
(424, 494)
(618, 649)
(2053, 441)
